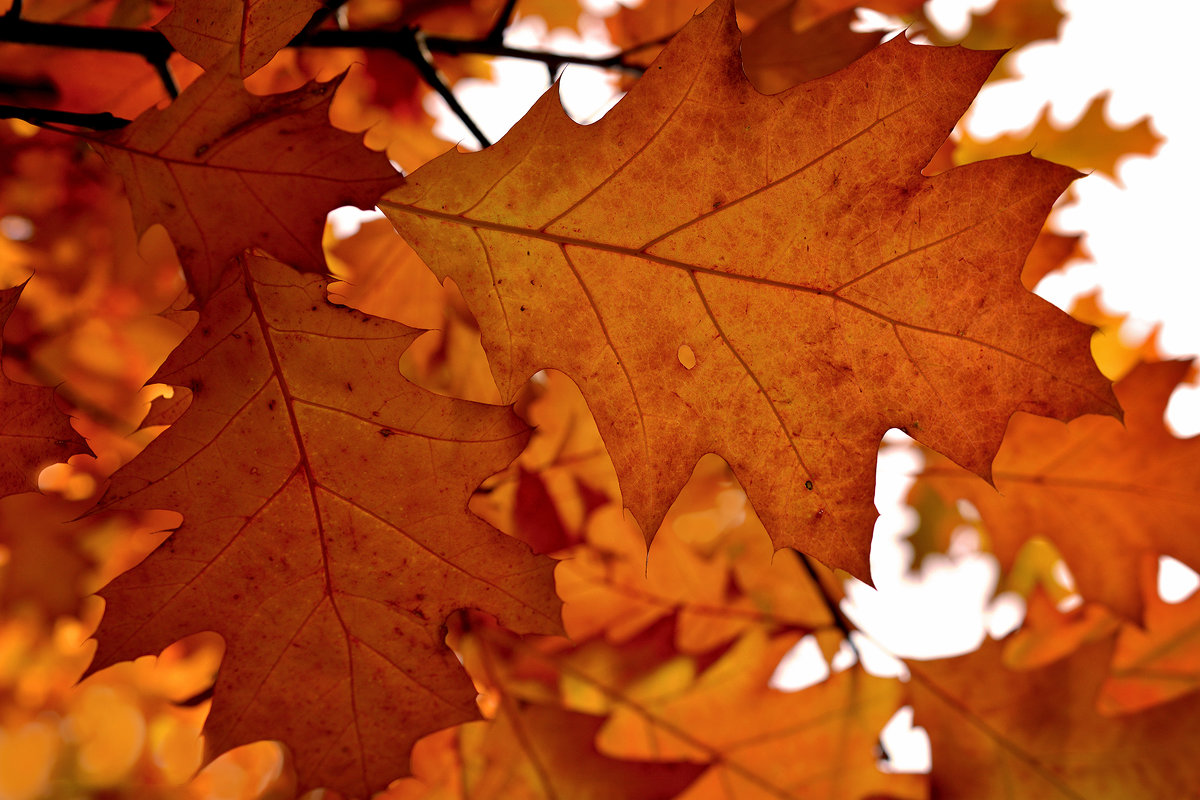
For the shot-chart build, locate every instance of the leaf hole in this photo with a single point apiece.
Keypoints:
(687, 356)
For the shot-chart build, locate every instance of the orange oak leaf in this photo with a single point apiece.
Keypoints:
(1104, 493)
(325, 532)
(224, 170)
(1008, 24)
(1050, 253)
(767, 278)
(777, 57)
(710, 567)
(1156, 663)
(999, 733)
(208, 31)
(760, 742)
(1116, 351)
(1090, 143)
(533, 752)
(34, 433)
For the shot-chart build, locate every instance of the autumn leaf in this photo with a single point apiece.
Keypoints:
(1104, 493)
(710, 567)
(224, 170)
(1157, 663)
(534, 752)
(750, 734)
(777, 57)
(207, 32)
(1090, 143)
(33, 431)
(766, 278)
(43, 564)
(313, 489)
(1000, 733)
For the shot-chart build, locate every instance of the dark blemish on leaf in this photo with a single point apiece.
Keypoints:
(195, 384)
(270, 405)
(522, 308)
(820, 513)
(385, 433)
(808, 485)
(349, 387)
(201, 150)
(417, 612)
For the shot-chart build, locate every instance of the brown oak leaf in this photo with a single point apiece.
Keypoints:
(208, 31)
(224, 170)
(34, 433)
(999, 733)
(325, 532)
(767, 278)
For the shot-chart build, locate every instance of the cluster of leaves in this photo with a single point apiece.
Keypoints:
(531, 500)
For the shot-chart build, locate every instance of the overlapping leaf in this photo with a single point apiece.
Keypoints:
(767, 278)
(224, 170)
(1091, 142)
(34, 432)
(750, 735)
(1106, 495)
(208, 32)
(325, 533)
(998, 733)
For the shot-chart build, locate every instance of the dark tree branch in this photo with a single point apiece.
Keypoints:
(168, 80)
(14, 11)
(840, 621)
(408, 43)
(412, 48)
(151, 45)
(46, 117)
(496, 34)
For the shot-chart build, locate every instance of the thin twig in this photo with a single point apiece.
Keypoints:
(409, 43)
(413, 48)
(14, 11)
(163, 68)
(496, 34)
(153, 46)
(42, 117)
(840, 621)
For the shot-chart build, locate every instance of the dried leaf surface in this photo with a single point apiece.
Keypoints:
(224, 170)
(313, 489)
(770, 279)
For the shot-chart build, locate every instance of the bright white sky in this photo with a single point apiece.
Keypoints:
(1146, 264)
